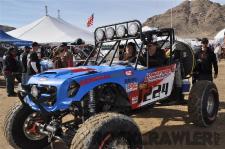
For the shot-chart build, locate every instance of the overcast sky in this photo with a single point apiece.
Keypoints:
(21, 12)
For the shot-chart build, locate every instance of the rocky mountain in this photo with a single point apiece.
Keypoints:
(192, 18)
(6, 28)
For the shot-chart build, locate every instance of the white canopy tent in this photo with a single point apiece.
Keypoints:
(219, 38)
(51, 30)
(147, 28)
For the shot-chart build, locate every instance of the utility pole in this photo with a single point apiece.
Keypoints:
(171, 17)
(46, 10)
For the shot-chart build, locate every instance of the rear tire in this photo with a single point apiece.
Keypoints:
(203, 103)
(13, 129)
(105, 130)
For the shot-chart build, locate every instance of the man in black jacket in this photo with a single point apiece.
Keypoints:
(156, 56)
(205, 59)
(10, 68)
(33, 61)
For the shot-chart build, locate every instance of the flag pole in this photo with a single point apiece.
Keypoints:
(46, 10)
(171, 17)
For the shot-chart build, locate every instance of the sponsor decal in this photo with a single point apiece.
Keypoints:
(90, 80)
(80, 69)
(133, 86)
(129, 73)
(157, 75)
(134, 100)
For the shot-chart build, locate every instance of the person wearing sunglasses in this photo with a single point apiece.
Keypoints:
(156, 56)
(205, 60)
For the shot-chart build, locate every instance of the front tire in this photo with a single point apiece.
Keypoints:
(108, 130)
(203, 103)
(14, 129)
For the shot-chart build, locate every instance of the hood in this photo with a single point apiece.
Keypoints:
(66, 73)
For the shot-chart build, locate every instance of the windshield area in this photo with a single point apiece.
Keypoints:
(115, 45)
(123, 52)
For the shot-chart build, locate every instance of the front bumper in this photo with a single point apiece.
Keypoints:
(41, 103)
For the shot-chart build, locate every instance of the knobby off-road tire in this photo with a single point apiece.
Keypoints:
(203, 103)
(13, 129)
(101, 131)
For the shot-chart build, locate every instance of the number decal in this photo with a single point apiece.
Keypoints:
(159, 85)
(144, 94)
(165, 88)
(156, 93)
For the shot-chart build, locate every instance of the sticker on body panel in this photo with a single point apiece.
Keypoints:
(161, 82)
(133, 86)
(134, 100)
(159, 74)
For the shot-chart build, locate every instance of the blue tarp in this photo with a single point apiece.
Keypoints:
(4, 37)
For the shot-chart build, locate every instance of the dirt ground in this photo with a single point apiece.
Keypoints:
(161, 127)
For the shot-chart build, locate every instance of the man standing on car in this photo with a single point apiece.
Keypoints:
(23, 59)
(205, 59)
(33, 62)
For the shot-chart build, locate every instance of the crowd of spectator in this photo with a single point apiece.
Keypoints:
(21, 64)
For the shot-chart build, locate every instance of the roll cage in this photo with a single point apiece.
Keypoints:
(164, 35)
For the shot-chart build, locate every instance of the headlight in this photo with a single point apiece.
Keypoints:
(73, 88)
(109, 33)
(100, 34)
(34, 91)
(133, 29)
(120, 31)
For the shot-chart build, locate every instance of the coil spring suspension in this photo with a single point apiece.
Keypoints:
(91, 103)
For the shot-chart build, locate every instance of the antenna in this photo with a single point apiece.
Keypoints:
(171, 17)
(46, 10)
(58, 13)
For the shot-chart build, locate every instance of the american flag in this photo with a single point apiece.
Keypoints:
(90, 20)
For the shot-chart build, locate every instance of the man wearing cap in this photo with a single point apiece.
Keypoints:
(23, 59)
(156, 56)
(10, 68)
(205, 59)
(33, 62)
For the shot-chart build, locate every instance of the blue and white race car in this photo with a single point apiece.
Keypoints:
(107, 85)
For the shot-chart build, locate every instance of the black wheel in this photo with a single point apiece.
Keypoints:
(107, 130)
(20, 129)
(203, 103)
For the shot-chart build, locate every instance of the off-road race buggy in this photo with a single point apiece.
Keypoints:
(74, 105)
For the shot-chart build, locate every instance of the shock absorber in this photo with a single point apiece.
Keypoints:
(92, 103)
